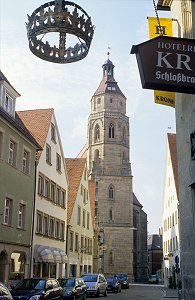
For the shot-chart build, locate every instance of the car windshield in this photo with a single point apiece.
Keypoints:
(67, 282)
(111, 279)
(90, 278)
(30, 284)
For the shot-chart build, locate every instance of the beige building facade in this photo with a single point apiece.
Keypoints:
(109, 165)
(184, 12)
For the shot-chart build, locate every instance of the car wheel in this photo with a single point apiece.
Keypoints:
(98, 293)
(105, 293)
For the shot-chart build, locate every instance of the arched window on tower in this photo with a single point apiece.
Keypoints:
(96, 154)
(97, 133)
(111, 192)
(111, 131)
(124, 135)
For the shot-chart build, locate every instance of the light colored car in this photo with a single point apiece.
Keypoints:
(96, 284)
(153, 279)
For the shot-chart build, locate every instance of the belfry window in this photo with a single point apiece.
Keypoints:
(124, 135)
(111, 131)
(111, 192)
(97, 133)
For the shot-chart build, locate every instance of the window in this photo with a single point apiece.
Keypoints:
(84, 213)
(26, 162)
(45, 225)
(78, 215)
(97, 133)
(39, 222)
(53, 192)
(99, 101)
(12, 153)
(53, 133)
(51, 227)
(58, 194)
(8, 104)
(1, 144)
(63, 199)
(111, 100)
(111, 192)
(111, 131)
(57, 229)
(21, 216)
(8, 211)
(110, 215)
(124, 135)
(61, 231)
(47, 188)
(71, 240)
(40, 184)
(88, 220)
(111, 258)
(48, 154)
(58, 162)
(76, 242)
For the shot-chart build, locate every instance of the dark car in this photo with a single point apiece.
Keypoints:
(4, 292)
(113, 285)
(37, 289)
(123, 279)
(73, 288)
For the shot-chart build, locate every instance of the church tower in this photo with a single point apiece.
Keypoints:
(109, 166)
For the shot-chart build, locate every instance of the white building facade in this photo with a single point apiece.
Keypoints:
(170, 221)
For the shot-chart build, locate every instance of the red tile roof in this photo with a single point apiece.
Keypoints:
(75, 168)
(37, 122)
(173, 152)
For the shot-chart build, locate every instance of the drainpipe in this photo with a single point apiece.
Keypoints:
(33, 222)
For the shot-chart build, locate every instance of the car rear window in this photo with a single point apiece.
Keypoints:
(30, 284)
(90, 278)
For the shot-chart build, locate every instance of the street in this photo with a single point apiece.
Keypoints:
(136, 292)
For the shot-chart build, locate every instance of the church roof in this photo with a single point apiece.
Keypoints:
(75, 168)
(136, 202)
(173, 153)
(108, 84)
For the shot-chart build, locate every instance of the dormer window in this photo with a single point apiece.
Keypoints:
(98, 100)
(8, 104)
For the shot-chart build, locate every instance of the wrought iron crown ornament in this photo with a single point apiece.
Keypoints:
(67, 19)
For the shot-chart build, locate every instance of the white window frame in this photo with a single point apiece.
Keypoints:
(2, 134)
(12, 157)
(48, 154)
(21, 215)
(8, 210)
(26, 161)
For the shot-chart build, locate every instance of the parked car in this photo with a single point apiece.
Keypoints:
(37, 289)
(4, 292)
(73, 288)
(113, 285)
(123, 279)
(96, 284)
(153, 279)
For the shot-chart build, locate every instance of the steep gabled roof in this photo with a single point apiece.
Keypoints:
(154, 242)
(75, 168)
(20, 126)
(38, 122)
(83, 152)
(136, 202)
(173, 153)
(3, 78)
(103, 87)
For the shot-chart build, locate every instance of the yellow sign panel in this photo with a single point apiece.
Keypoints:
(165, 28)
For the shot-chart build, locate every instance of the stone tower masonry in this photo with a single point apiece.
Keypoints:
(109, 166)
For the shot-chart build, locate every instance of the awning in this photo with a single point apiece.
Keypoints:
(49, 254)
(44, 254)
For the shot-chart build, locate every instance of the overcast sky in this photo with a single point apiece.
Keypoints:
(68, 88)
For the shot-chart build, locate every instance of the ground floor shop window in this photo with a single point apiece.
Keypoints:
(53, 270)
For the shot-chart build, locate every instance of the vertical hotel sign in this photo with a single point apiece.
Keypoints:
(165, 29)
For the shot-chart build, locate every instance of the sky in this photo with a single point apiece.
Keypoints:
(68, 88)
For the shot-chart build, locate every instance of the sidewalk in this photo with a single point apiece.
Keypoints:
(170, 294)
